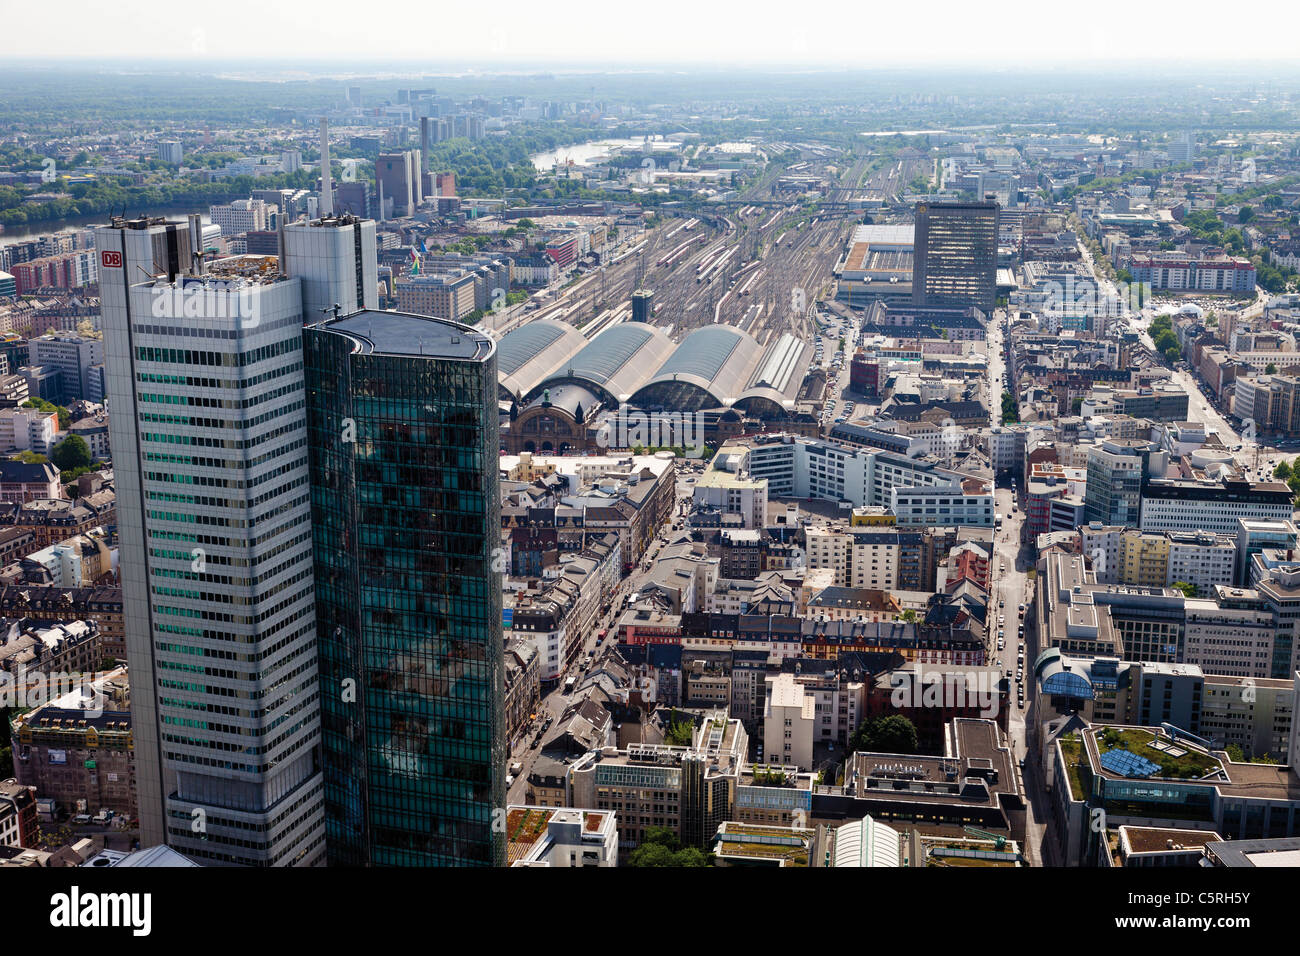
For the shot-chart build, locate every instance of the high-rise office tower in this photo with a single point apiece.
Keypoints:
(1116, 469)
(131, 251)
(402, 422)
(205, 386)
(398, 175)
(354, 198)
(137, 250)
(336, 259)
(642, 305)
(955, 262)
(426, 140)
(72, 354)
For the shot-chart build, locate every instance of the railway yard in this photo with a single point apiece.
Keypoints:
(758, 262)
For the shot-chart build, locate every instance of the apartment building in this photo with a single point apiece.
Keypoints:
(77, 746)
(1201, 558)
(689, 790)
(1181, 274)
(241, 216)
(1255, 714)
(810, 468)
(1143, 559)
(76, 357)
(1229, 641)
(860, 559)
(790, 722)
(446, 295)
(27, 429)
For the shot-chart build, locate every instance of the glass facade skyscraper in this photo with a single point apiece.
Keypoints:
(403, 441)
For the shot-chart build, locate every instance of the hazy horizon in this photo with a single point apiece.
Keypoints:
(669, 34)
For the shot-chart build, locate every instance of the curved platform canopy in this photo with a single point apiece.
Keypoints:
(775, 382)
(708, 369)
(525, 355)
(615, 363)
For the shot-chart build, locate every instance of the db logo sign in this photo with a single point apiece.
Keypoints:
(110, 259)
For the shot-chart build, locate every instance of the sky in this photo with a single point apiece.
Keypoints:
(816, 34)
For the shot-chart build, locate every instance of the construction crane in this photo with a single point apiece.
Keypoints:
(999, 841)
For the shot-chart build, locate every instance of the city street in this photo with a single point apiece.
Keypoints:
(1012, 563)
(1199, 408)
(1253, 456)
(1012, 588)
(554, 704)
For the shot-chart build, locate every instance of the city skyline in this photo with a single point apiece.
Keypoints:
(648, 436)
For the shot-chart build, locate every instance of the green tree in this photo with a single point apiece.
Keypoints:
(680, 733)
(1010, 408)
(1270, 369)
(690, 856)
(894, 734)
(1283, 470)
(1189, 590)
(71, 453)
(662, 848)
(30, 457)
(651, 854)
(664, 837)
(40, 404)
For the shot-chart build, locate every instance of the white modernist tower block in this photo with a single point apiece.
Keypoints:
(336, 260)
(209, 436)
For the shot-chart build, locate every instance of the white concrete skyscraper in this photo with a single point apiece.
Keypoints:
(206, 395)
(337, 261)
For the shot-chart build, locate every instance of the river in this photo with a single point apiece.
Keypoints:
(584, 153)
(73, 223)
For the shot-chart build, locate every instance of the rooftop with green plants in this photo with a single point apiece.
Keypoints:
(1072, 752)
(1186, 763)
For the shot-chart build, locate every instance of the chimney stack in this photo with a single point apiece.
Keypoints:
(326, 181)
(197, 266)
